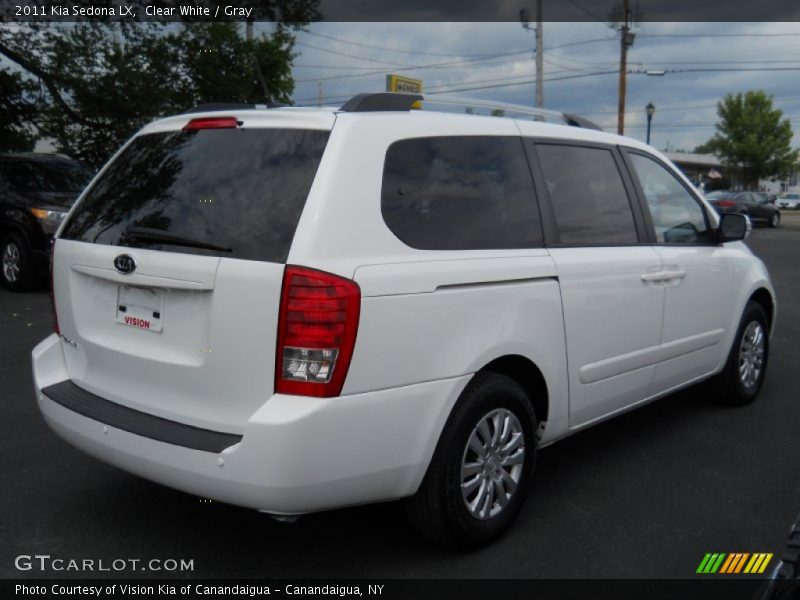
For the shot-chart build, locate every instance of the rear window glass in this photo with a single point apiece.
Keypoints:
(239, 189)
(460, 193)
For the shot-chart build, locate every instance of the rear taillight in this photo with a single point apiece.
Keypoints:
(317, 327)
(211, 123)
(52, 290)
(726, 204)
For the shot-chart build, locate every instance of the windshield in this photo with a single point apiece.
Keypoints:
(717, 195)
(44, 175)
(238, 189)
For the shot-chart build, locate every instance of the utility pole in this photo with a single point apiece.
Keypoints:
(622, 18)
(319, 93)
(539, 49)
(539, 56)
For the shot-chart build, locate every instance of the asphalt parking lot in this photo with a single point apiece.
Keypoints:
(644, 495)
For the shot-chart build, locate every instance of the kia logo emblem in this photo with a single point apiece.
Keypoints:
(125, 264)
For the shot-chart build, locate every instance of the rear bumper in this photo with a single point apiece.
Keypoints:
(296, 455)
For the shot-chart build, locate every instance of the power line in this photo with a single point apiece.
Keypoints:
(685, 125)
(484, 87)
(581, 43)
(328, 50)
(510, 83)
(479, 58)
(677, 62)
(680, 35)
(556, 61)
(413, 68)
(722, 70)
(504, 82)
(495, 79)
(685, 107)
(500, 85)
(720, 62)
(298, 66)
(431, 66)
(419, 52)
(384, 48)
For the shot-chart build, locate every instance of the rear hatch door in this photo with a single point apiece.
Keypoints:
(168, 273)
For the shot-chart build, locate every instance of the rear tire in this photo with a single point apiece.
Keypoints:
(16, 263)
(458, 475)
(775, 220)
(741, 379)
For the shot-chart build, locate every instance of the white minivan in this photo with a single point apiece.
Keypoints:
(296, 309)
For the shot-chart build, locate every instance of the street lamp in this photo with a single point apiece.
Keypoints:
(651, 110)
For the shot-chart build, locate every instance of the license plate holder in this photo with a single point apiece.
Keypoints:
(140, 307)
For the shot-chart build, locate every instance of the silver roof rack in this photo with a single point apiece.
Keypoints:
(389, 101)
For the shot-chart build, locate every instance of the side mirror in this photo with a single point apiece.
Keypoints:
(733, 227)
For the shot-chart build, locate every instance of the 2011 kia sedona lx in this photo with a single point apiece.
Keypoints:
(299, 309)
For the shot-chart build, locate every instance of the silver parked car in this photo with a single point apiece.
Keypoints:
(788, 201)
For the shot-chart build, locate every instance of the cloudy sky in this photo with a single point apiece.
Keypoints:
(703, 61)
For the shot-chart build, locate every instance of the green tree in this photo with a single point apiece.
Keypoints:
(113, 79)
(753, 139)
(103, 81)
(705, 148)
(18, 108)
(222, 66)
(120, 77)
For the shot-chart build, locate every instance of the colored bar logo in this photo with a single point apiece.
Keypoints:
(734, 563)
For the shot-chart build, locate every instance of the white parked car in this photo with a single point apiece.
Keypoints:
(788, 201)
(300, 309)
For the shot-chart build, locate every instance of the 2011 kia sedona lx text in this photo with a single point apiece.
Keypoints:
(298, 309)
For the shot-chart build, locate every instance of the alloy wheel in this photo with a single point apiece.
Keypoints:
(492, 463)
(751, 354)
(11, 262)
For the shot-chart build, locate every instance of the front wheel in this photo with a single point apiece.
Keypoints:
(480, 472)
(741, 379)
(775, 219)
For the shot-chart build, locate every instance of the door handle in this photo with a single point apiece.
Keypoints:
(653, 277)
(659, 276)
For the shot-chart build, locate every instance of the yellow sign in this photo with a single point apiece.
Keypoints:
(404, 85)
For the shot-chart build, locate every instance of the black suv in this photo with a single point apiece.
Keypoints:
(36, 191)
(755, 205)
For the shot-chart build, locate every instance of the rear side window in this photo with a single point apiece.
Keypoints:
(589, 200)
(240, 189)
(460, 193)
